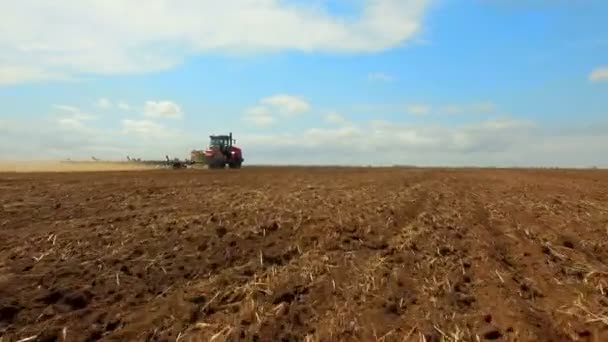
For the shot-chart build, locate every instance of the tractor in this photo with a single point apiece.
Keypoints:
(221, 152)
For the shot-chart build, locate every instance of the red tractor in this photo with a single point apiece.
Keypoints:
(221, 152)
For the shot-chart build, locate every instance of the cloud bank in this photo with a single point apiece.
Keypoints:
(501, 142)
(488, 141)
(59, 39)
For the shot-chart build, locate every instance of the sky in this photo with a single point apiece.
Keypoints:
(348, 82)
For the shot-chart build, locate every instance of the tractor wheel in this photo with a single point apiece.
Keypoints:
(217, 161)
(235, 165)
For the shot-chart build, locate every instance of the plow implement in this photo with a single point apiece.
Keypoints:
(220, 153)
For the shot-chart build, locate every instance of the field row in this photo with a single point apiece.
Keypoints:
(313, 254)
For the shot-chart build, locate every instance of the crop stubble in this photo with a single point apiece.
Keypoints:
(311, 254)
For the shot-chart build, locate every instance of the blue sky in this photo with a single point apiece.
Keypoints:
(429, 82)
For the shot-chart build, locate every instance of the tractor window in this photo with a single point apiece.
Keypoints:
(220, 141)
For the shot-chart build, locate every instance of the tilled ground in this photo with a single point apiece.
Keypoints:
(304, 254)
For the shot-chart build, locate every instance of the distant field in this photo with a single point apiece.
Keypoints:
(51, 166)
(303, 254)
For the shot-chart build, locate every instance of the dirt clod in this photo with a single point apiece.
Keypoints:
(95, 334)
(78, 299)
(492, 334)
(221, 231)
(8, 312)
(568, 244)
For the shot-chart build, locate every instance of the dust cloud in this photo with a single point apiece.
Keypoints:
(58, 166)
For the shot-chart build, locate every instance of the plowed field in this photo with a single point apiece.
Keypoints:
(304, 254)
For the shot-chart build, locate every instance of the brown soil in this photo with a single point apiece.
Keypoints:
(304, 254)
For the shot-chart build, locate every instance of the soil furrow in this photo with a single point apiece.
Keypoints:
(305, 254)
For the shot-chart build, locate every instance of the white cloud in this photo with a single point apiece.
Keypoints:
(71, 117)
(163, 109)
(265, 113)
(124, 106)
(259, 111)
(380, 77)
(483, 107)
(55, 139)
(287, 105)
(71, 123)
(452, 109)
(396, 139)
(335, 118)
(262, 121)
(472, 108)
(65, 108)
(599, 74)
(418, 109)
(146, 127)
(492, 142)
(104, 103)
(60, 139)
(323, 136)
(259, 116)
(49, 40)
(15, 74)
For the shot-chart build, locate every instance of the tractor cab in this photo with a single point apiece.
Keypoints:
(222, 142)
